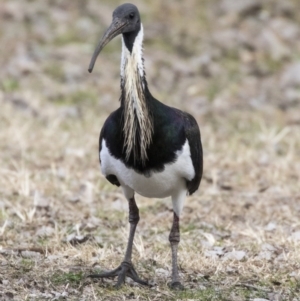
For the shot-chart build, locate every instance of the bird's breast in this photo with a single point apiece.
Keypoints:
(157, 184)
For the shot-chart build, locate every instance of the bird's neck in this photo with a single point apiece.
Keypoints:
(138, 126)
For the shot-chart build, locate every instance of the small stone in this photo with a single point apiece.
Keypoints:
(31, 254)
(291, 76)
(40, 201)
(45, 231)
(9, 295)
(264, 159)
(235, 255)
(33, 296)
(160, 272)
(268, 247)
(119, 205)
(53, 257)
(295, 274)
(76, 152)
(61, 173)
(86, 191)
(292, 95)
(211, 254)
(230, 270)
(210, 238)
(270, 226)
(70, 111)
(74, 199)
(265, 255)
(295, 236)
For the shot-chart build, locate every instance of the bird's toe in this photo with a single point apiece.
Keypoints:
(177, 286)
(125, 269)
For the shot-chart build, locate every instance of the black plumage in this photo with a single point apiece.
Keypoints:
(171, 128)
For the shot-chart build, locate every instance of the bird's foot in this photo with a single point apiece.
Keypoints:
(125, 269)
(176, 286)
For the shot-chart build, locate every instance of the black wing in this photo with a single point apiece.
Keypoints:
(193, 136)
(109, 128)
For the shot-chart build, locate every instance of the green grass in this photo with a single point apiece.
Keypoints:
(64, 278)
(10, 85)
(26, 265)
(55, 71)
(80, 98)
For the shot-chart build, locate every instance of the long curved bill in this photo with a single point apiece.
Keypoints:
(112, 31)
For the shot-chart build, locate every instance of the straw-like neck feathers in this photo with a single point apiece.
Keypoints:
(138, 126)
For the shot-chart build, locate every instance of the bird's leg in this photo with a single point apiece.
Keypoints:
(126, 268)
(174, 239)
(134, 218)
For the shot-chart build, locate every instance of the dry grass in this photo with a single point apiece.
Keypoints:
(60, 219)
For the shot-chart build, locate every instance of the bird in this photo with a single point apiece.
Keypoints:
(145, 146)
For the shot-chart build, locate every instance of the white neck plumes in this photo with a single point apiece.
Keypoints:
(136, 57)
(138, 126)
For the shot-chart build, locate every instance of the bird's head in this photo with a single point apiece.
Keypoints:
(126, 21)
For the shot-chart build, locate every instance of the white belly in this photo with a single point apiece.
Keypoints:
(159, 184)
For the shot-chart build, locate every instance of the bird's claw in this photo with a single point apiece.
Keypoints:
(177, 286)
(125, 269)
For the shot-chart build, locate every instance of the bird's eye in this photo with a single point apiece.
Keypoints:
(131, 15)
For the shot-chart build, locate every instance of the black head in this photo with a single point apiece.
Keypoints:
(129, 14)
(126, 21)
